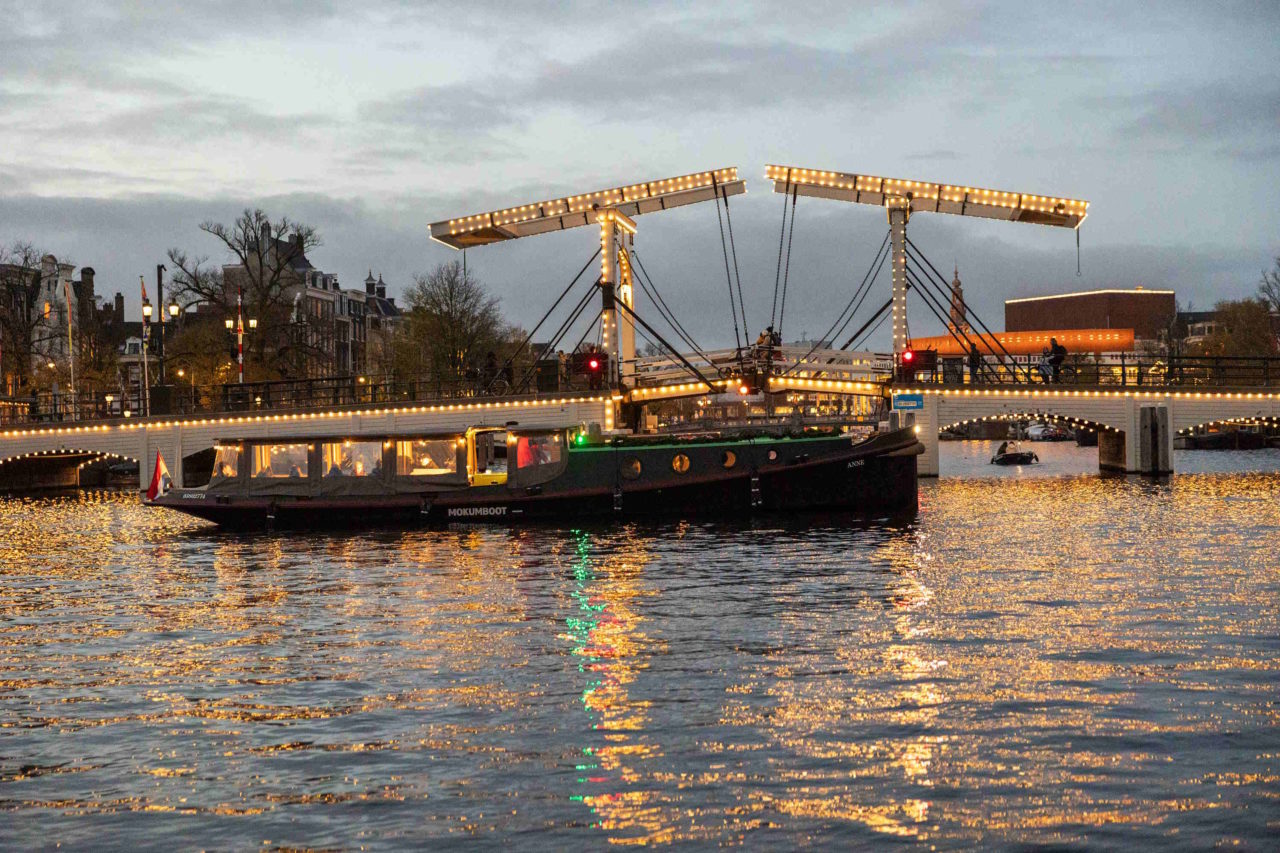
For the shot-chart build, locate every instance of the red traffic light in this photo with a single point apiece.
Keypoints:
(908, 355)
(593, 364)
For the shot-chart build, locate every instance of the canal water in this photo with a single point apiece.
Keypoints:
(1043, 657)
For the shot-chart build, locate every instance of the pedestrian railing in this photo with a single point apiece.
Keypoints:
(1124, 370)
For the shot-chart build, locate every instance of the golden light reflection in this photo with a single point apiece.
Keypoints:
(1025, 663)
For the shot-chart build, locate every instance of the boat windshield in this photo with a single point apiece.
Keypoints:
(279, 461)
(226, 463)
(427, 457)
(351, 459)
(487, 457)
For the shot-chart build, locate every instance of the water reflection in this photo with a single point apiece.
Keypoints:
(1041, 660)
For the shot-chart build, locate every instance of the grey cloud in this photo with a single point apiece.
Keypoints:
(1200, 113)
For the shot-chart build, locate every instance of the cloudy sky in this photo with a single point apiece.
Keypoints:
(126, 125)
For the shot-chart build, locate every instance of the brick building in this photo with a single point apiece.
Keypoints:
(1150, 313)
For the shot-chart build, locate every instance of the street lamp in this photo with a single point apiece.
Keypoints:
(160, 270)
(237, 326)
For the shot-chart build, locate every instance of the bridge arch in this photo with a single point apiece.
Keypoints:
(1238, 420)
(51, 468)
(1034, 415)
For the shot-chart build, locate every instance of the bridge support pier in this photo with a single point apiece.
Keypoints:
(1146, 447)
(927, 431)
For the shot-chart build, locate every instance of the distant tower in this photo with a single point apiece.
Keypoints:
(958, 321)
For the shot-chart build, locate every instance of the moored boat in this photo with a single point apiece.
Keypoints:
(506, 474)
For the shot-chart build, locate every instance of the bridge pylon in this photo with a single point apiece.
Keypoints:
(903, 197)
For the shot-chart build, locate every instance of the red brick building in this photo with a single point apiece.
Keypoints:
(1148, 312)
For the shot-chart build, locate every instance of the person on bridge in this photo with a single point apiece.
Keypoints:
(1057, 355)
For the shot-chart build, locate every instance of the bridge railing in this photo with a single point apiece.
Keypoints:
(766, 360)
(1123, 370)
(46, 407)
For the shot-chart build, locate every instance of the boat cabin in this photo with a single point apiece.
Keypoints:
(333, 465)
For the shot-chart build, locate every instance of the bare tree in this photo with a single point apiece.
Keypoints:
(20, 312)
(452, 324)
(1243, 329)
(268, 270)
(1269, 287)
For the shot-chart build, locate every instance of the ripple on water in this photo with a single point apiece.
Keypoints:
(1032, 661)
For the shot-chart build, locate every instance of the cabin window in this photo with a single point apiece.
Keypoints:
(533, 451)
(351, 459)
(432, 457)
(680, 463)
(280, 461)
(226, 463)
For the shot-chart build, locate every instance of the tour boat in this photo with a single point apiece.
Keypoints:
(507, 474)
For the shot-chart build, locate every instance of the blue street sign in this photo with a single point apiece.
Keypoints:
(908, 402)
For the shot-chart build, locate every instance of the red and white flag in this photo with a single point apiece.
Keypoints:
(160, 480)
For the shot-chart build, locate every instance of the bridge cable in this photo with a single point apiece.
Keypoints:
(661, 304)
(860, 294)
(879, 266)
(786, 272)
(935, 307)
(637, 318)
(935, 300)
(529, 337)
(878, 316)
(782, 233)
(733, 309)
(733, 247)
(679, 334)
(560, 332)
(917, 256)
(970, 313)
(938, 297)
(941, 289)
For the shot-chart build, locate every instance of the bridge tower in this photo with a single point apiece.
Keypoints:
(613, 211)
(901, 198)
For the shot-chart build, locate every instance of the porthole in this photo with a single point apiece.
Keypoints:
(728, 459)
(631, 468)
(773, 456)
(680, 463)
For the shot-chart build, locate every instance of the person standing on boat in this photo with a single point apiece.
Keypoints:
(975, 362)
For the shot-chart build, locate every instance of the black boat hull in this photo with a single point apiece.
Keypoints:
(874, 477)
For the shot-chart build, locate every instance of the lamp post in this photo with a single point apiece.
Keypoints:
(237, 326)
(146, 356)
(160, 270)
